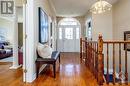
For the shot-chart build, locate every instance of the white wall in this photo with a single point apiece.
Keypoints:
(7, 26)
(121, 23)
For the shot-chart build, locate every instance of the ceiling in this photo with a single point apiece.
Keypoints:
(72, 8)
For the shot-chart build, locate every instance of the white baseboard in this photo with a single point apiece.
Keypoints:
(34, 77)
(15, 67)
(30, 80)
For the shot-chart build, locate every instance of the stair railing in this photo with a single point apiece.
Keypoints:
(93, 55)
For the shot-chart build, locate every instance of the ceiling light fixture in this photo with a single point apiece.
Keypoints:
(100, 7)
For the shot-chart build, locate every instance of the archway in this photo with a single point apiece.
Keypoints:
(68, 35)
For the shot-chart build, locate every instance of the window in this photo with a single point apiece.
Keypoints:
(69, 21)
(60, 33)
(69, 28)
(77, 33)
(69, 33)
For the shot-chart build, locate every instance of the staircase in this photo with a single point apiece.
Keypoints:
(107, 60)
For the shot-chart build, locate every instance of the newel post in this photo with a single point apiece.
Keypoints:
(100, 60)
(80, 48)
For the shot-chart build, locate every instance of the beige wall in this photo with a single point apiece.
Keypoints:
(121, 18)
(101, 23)
(18, 3)
(121, 23)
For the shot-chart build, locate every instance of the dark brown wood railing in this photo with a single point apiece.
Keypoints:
(93, 56)
(95, 59)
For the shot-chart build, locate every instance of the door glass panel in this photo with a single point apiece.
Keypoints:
(77, 33)
(69, 33)
(60, 33)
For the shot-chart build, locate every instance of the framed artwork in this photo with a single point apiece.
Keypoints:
(51, 29)
(43, 27)
(127, 38)
(89, 30)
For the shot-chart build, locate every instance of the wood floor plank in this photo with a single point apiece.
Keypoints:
(70, 72)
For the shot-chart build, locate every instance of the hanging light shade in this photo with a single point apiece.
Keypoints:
(100, 6)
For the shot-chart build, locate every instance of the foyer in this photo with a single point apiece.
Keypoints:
(93, 41)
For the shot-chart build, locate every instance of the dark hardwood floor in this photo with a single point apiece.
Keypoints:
(71, 72)
(9, 77)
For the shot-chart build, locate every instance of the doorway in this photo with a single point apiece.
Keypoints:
(68, 35)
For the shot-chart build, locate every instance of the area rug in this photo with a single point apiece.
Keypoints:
(9, 59)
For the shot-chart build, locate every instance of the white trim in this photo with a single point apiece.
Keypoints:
(30, 45)
(15, 67)
(24, 41)
(34, 77)
(30, 80)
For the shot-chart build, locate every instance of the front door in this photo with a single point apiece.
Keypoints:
(68, 38)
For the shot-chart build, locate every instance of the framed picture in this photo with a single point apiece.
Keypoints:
(51, 29)
(43, 27)
(127, 38)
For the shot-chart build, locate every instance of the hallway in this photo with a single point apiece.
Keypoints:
(70, 73)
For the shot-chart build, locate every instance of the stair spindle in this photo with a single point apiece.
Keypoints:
(114, 63)
(126, 70)
(107, 63)
(81, 48)
(120, 73)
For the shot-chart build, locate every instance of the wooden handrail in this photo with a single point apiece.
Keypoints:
(116, 41)
(92, 52)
